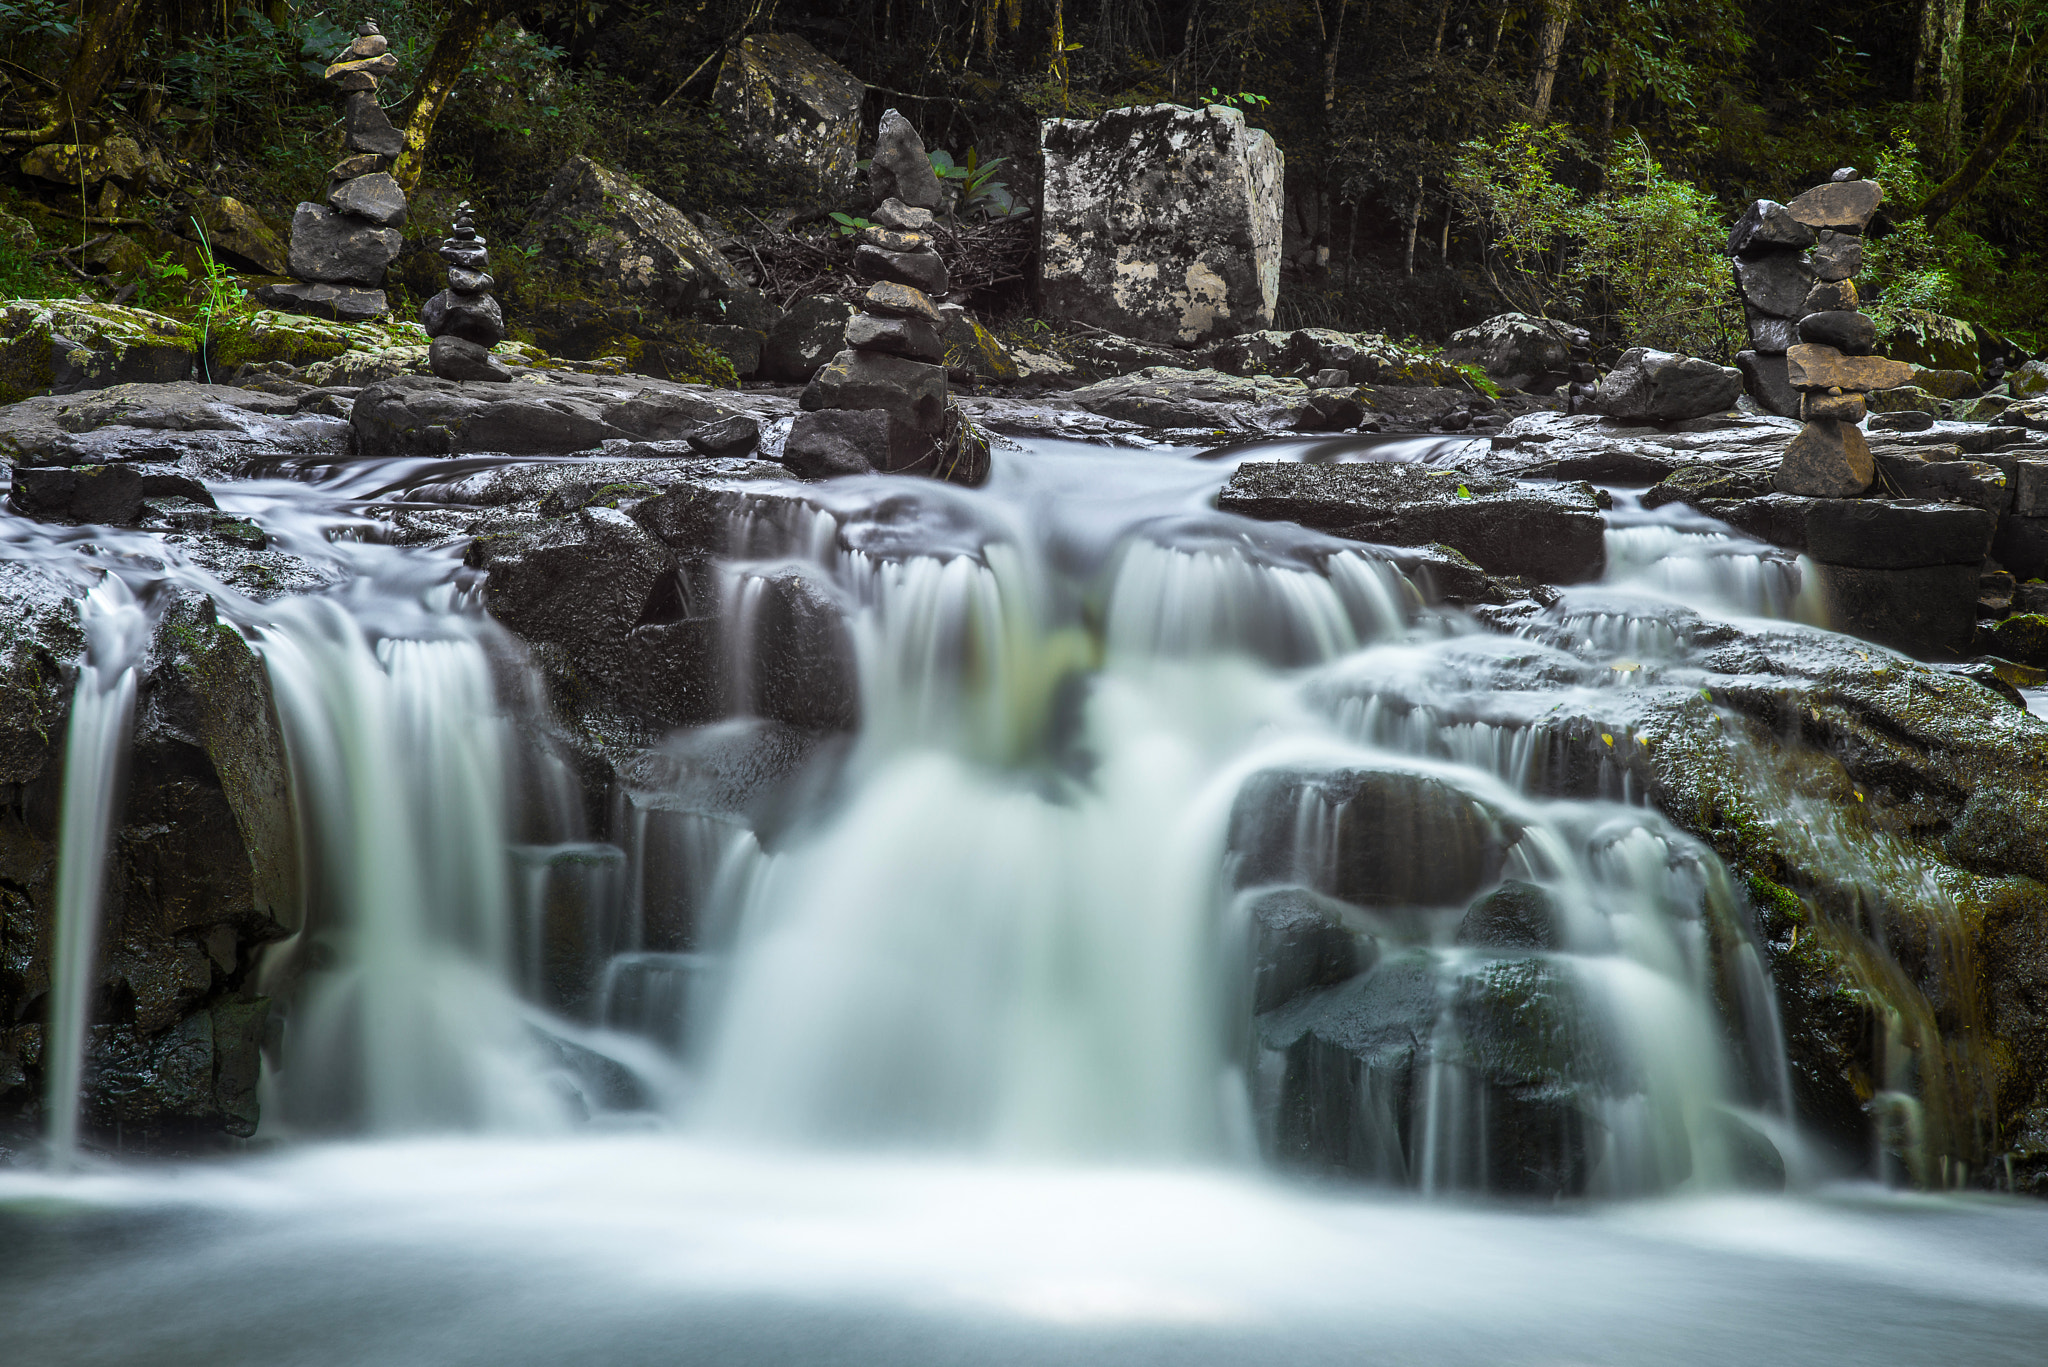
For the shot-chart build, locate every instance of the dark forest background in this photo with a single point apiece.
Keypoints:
(1445, 158)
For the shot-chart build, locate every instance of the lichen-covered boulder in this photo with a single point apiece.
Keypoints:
(60, 346)
(972, 348)
(792, 105)
(1935, 342)
(606, 226)
(1161, 223)
(236, 231)
(270, 337)
(69, 164)
(1515, 348)
(1658, 386)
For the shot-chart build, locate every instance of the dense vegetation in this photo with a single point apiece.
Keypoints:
(1445, 157)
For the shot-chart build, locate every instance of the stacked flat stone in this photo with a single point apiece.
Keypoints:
(340, 249)
(1810, 348)
(883, 403)
(464, 320)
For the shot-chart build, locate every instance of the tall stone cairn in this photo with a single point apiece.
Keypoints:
(340, 248)
(883, 404)
(464, 320)
(1810, 348)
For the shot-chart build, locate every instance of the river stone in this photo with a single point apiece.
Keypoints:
(912, 390)
(1868, 533)
(240, 234)
(1330, 412)
(1161, 223)
(366, 129)
(892, 300)
(972, 351)
(336, 249)
(900, 168)
(1838, 257)
(1550, 533)
(891, 241)
(1660, 386)
(1299, 942)
(1852, 333)
(2030, 381)
(375, 197)
(827, 443)
(457, 358)
(1766, 380)
(550, 413)
(1830, 296)
(1843, 206)
(793, 107)
(1946, 384)
(1828, 459)
(1822, 367)
(368, 45)
(1776, 285)
(924, 271)
(59, 346)
(463, 280)
(1904, 398)
(1848, 408)
(911, 337)
(1767, 226)
(1929, 611)
(100, 495)
(474, 317)
(810, 333)
(894, 213)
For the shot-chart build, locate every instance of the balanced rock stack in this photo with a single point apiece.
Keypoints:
(340, 248)
(464, 320)
(883, 403)
(1810, 353)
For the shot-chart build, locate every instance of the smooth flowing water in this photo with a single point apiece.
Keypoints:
(968, 1047)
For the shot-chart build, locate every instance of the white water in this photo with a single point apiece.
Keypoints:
(96, 741)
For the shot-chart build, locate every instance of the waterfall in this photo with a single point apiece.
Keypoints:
(96, 741)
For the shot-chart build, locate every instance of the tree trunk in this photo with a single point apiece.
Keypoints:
(1330, 58)
(1414, 224)
(2002, 125)
(469, 23)
(1557, 17)
(1606, 125)
(106, 40)
(1184, 64)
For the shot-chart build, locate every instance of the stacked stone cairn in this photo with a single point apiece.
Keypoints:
(1810, 353)
(883, 403)
(340, 249)
(464, 320)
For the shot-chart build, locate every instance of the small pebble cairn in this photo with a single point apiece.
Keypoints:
(1811, 349)
(883, 403)
(464, 320)
(340, 249)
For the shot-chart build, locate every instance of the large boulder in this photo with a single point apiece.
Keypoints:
(540, 415)
(1552, 534)
(1515, 348)
(1934, 341)
(60, 346)
(1169, 397)
(602, 224)
(811, 332)
(1161, 223)
(239, 233)
(793, 106)
(1659, 386)
(339, 249)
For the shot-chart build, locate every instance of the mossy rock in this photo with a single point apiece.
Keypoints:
(64, 345)
(294, 339)
(2023, 638)
(972, 347)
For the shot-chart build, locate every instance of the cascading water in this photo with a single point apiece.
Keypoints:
(102, 710)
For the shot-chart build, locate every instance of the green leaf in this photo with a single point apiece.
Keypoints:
(1463, 492)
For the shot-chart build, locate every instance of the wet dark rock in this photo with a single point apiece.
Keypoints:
(1976, 483)
(913, 391)
(1330, 412)
(203, 431)
(1869, 533)
(343, 303)
(734, 436)
(539, 414)
(1658, 386)
(1393, 838)
(366, 129)
(1929, 611)
(61, 346)
(457, 358)
(1179, 398)
(1515, 915)
(1299, 941)
(1838, 257)
(1831, 296)
(1693, 484)
(811, 333)
(1904, 420)
(108, 495)
(1768, 335)
(339, 250)
(40, 641)
(800, 667)
(1766, 380)
(1767, 226)
(1554, 535)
